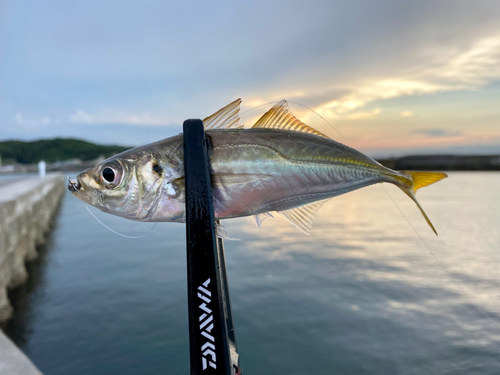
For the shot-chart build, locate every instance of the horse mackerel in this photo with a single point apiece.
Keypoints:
(280, 164)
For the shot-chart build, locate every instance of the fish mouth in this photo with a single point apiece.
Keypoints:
(73, 185)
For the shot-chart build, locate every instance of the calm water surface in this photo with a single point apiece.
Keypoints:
(364, 294)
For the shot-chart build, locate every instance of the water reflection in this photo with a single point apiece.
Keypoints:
(363, 294)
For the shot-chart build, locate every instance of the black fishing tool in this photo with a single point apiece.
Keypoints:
(211, 333)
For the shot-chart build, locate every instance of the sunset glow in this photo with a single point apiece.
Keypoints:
(413, 78)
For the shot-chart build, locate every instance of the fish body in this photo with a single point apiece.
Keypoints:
(279, 165)
(277, 170)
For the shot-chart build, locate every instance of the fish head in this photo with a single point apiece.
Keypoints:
(129, 184)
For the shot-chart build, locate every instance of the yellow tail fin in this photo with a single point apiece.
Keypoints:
(421, 179)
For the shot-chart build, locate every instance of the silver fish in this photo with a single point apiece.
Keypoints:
(280, 164)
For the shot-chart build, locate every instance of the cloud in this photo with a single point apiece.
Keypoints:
(19, 118)
(118, 117)
(364, 115)
(451, 70)
(314, 98)
(476, 66)
(374, 52)
(30, 122)
(438, 133)
(407, 114)
(82, 117)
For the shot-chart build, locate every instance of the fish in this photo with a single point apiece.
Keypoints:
(278, 165)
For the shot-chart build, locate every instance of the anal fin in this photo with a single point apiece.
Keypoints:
(303, 216)
(259, 218)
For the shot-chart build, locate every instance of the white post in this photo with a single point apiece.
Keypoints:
(41, 168)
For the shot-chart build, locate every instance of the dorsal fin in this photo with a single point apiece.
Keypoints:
(280, 117)
(225, 118)
(302, 217)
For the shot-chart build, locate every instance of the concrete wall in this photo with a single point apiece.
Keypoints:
(27, 208)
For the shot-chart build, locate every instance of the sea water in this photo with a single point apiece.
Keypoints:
(371, 291)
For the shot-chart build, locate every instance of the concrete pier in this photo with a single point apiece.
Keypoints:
(13, 361)
(27, 208)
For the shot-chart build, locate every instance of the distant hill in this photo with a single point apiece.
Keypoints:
(54, 150)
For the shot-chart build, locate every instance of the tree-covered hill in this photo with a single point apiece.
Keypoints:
(53, 150)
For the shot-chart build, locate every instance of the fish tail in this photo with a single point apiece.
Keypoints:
(420, 179)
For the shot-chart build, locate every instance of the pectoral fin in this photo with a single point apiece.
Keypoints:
(222, 233)
(222, 179)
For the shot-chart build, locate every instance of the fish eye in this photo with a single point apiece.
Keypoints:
(108, 174)
(157, 168)
(111, 175)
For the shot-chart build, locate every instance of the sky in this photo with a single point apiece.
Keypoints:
(390, 77)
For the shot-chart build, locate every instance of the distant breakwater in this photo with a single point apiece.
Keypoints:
(444, 163)
(27, 209)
